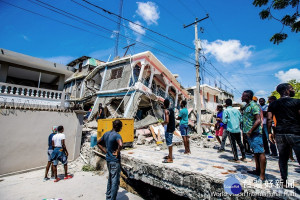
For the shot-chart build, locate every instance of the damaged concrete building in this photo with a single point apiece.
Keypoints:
(130, 87)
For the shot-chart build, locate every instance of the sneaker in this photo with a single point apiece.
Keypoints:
(52, 178)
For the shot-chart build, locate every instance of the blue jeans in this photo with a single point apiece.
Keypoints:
(114, 169)
(284, 143)
(267, 142)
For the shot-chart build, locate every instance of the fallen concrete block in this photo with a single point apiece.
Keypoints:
(145, 122)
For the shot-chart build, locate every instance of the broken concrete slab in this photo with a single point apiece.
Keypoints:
(148, 120)
(201, 175)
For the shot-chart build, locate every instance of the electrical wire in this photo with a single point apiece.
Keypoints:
(111, 13)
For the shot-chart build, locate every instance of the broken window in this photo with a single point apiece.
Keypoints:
(116, 73)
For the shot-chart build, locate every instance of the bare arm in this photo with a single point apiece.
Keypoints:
(166, 117)
(52, 144)
(269, 124)
(255, 125)
(120, 145)
(101, 147)
(64, 147)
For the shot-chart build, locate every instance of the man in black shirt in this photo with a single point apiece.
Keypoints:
(100, 114)
(287, 113)
(169, 124)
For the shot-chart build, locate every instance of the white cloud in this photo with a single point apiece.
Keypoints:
(113, 34)
(137, 28)
(148, 11)
(288, 75)
(60, 59)
(261, 93)
(228, 51)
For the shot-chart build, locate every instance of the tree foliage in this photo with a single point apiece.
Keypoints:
(292, 21)
(296, 86)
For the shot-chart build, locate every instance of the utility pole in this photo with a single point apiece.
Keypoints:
(197, 49)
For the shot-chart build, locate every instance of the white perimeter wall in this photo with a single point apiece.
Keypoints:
(24, 137)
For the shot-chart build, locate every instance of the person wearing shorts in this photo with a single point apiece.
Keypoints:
(252, 127)
(49, 152)
(60, 153)
(170, 128)
(183, 126)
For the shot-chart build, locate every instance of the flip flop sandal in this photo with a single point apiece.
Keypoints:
(167, 161)
(56, 180)
(68, 177)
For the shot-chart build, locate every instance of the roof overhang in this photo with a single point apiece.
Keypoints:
(37, 64)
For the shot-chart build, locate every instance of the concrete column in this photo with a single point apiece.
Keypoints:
(61, 82)
(141, 72)
(151, 78)
(167, 90)
(3, 72)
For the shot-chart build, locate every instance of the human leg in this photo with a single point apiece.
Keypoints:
(262, 164)
(239, 142)
(294, 140)
(169, 138)
(233, 145)
(108, 189)
(265, 137)
(183, 132)
(47, 169)
(224, 137)
(115, 179)
(284, 150)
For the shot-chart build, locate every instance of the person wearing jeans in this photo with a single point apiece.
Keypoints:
(287, 131)
(111, 144)
(232, 118)
(266, 141)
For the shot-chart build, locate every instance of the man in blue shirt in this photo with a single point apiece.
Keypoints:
(49, 152)
(111, 144)
(183, 126)
(232, 117)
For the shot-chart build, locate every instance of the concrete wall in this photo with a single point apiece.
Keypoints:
(24, 137)
(123, 82)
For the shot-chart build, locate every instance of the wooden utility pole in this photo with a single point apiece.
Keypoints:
(197, 50)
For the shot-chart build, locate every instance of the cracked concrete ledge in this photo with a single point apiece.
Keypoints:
(186, 182)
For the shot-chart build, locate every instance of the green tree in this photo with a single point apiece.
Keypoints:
(292, 21)
(296, 86)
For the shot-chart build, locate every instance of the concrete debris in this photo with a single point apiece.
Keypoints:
(145, 122)
(93, 124)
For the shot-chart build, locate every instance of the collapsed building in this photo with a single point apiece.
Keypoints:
(134, 86)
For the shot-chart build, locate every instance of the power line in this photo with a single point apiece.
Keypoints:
(157, 41)
(111, 13)
(106, 29)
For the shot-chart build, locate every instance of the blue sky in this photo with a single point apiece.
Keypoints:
(235, 41)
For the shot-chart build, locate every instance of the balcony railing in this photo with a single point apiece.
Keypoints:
(19, 90)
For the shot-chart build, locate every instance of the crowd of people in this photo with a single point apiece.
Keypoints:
(266, 129)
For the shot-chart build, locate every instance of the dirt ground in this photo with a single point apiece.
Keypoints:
(84, 185)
